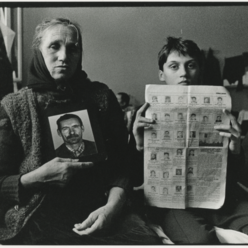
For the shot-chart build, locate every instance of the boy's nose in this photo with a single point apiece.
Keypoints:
(183, 71)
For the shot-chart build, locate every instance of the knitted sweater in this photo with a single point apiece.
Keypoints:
(23, 130)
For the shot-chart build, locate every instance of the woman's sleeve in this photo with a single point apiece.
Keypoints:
(117, 145)
(10, 156)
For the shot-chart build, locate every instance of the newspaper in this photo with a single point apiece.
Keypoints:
(185, 158)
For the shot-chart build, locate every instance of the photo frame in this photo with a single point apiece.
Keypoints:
(75, 132)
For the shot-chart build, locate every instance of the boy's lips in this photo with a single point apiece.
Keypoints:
(185, 82)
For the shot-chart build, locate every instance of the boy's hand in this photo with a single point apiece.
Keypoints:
(139, 124)
(141, 187)
(232, 131)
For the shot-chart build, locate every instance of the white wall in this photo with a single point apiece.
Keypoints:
(121, 43)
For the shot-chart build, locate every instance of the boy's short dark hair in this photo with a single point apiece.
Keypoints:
(184, 47)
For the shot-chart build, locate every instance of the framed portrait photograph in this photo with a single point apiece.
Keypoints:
(75, 133)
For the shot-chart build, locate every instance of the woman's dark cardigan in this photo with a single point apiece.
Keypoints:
(25, 145)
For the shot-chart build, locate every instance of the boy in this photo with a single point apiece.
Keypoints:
(180, 64)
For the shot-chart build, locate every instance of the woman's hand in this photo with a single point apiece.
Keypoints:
(232, 131)
(57, 172)
(97, 222)
(100, 220)
(139, 124)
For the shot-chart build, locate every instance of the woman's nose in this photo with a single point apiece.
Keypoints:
(62, 54)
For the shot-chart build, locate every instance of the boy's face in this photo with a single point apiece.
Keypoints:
(180, 70)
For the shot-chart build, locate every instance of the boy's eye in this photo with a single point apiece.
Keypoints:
(191, 65)
(174, 66)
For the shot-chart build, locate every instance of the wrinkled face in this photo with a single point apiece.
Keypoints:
(180, 70)
(60, 50)
(71, 131)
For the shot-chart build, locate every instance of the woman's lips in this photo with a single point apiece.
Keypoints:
(62, 66)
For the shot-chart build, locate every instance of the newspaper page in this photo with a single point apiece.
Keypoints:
(185, 158)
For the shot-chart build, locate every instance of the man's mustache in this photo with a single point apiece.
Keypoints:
(72, 136)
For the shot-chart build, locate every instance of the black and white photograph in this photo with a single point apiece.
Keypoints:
(72, 135)
(75, 165)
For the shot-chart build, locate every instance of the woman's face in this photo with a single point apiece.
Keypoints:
(60, 49)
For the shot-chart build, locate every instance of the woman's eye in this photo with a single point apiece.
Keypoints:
(73, 48)
(54, 46)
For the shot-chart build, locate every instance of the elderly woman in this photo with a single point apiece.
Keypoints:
(42, 198)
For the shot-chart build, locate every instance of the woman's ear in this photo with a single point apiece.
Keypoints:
(161, 75)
